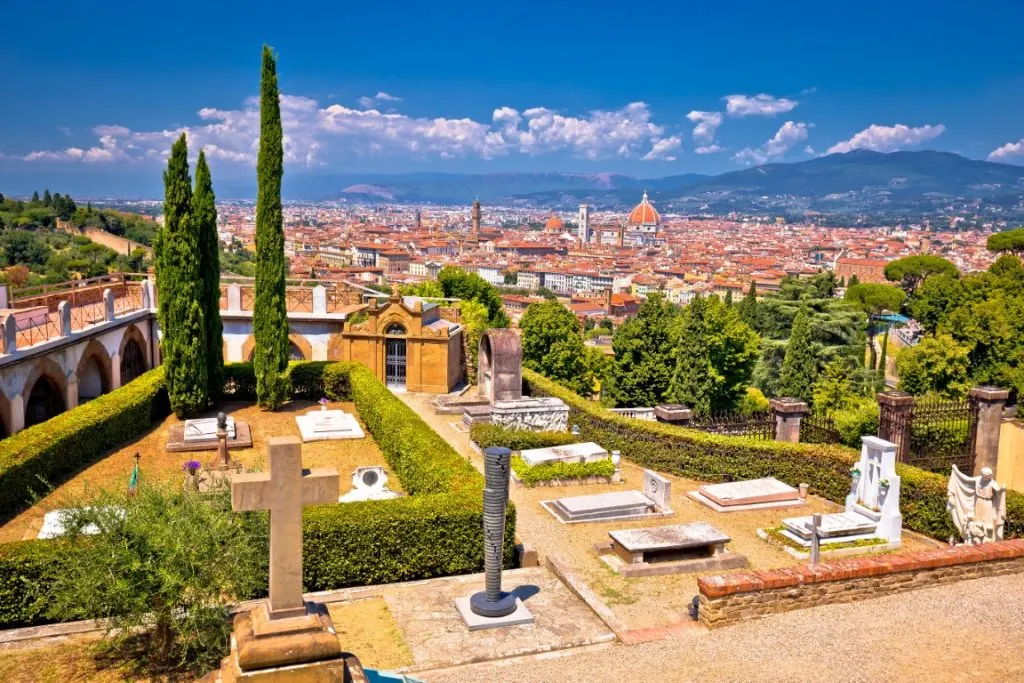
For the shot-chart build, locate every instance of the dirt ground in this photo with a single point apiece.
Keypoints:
(368, 629)
(156, 464)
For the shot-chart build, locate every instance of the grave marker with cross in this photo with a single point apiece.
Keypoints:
(284, 490)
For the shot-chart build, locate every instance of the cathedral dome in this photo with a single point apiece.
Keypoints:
(644, 213)
(554, 224)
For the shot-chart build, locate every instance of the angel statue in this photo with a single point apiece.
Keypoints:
(978, 506)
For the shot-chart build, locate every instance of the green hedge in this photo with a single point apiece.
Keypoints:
(435, 531)
(52, 452)
(534, 474)
(487, 435)
(711, 457)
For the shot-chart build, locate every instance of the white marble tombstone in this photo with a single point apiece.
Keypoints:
(875, 489)
(977, 505)
(659, 490)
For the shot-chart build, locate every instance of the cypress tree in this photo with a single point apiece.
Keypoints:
(204, 213)
(800, 365)
(269, 319)
(47, 198)
(180, 290)
(691, 382)
(748, 307)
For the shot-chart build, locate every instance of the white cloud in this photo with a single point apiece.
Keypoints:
(1010, 149)
(367, 102)
(707, 123)
(384, 97)
(708, 149)
(809, 151)
(66, 131)
(315, 135)
(888, 138)
(784, 139)
(758, 105)
(663, 149)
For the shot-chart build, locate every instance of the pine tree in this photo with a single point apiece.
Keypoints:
(47, 198)
(270, 321)
(204, 213)
(800, 365)
(691, 382)
(180, 289)
(853, 281)
(35, 197)
(642, 369)
(749, 308)
(728, 298)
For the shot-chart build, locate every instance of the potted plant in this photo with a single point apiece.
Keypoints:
(191, 469)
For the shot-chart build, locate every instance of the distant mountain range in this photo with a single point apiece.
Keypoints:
(858, 182)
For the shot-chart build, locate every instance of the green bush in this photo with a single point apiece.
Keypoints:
(239, 382)
(51, 452)
(488, 435)
(858, 419)
(710, 457)
(533, 474)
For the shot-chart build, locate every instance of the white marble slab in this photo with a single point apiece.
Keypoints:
(328, 425)
(54, 525)
(205, 429)
(577, 452)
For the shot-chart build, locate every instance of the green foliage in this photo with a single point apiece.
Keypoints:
(459, 284)
(873, 299)
(204, 215)
(50, 452)
(1008, 241)
(708, 457)
(857, 417)
(911, 271)
(487, 435)
(428, 289)
(800, 364)
(531, 475)
(163, 570)
(553, 346)
(691, 381)
(270, 316)
(753, 401)
(936, 365)
(474, 318)
(237, 260)
(832, 389)
(644, 355)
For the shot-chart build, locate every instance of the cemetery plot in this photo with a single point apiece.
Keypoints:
(675, 549)
(754, 494)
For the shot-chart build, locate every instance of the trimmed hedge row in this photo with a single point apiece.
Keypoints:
(710, 457)
(55, 450)
(487, 435)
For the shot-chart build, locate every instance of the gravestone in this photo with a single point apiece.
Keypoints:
(285, 638)
(679, 548)
(500, 365)
(752, 494)
(369, 483)
(653, 501)
(978, 506)
(328, 425)
(659, 490)
(545, 414)
(201, 435)
(577, 452)
(204, 429)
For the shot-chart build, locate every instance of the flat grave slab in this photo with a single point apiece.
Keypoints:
(753, 494)
(674, 549)
(177, 443)
(328, 425)
(835, 527)
(604, 507)
(578, 452)
(202, 429)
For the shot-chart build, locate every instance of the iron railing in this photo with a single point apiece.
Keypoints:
(933, 435)
(756, 425)
(818, 428)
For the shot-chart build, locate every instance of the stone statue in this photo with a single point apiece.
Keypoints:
(978, 506)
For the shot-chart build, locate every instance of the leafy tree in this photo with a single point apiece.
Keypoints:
(47, 198)
(428, 289)
(459, 284)
(691, 382)
(728, 298)
(23, 247)
(473, 316)
(35, 198)
(163, 572)
(511, 277)
(938, 364)
(733, 349)
(547, 293)
(854, 280)
(204, 215)
(1008, 241)
(935, 299)
(553, 346)
(179, 282)
(911, 271)
(270, 315)
(873, 299)
(749, 308)
(800, 365)
(644, 355)
(832, 388)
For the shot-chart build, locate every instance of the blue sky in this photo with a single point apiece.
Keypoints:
(94, 92)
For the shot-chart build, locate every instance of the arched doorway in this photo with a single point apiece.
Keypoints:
(394, 356)
(294, 352)
(45, 400)
(92, 382)
(133, 361)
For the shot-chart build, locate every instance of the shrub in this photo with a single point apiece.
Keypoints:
(709, 457)
(50, 452)
(533, 474)
(307, 379)
(239, 382)
(488, 435)
(859, 418)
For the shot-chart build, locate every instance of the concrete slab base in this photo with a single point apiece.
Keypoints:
(704, 500)
(553, 509)
(474, 622)
(724, 560)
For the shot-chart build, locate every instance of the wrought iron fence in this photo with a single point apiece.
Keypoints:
(933, 435)
(131, 301)
(32, 331)
(757, 425)
(299, 299)
(818, 428)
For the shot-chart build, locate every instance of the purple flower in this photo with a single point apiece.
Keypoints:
(192, 466)
(323, 401)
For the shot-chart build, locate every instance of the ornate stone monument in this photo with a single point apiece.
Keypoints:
(500, 363)
(978, 506)
(285, 638)
(494, 607)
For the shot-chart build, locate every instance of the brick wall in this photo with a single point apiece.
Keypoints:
(729, 598)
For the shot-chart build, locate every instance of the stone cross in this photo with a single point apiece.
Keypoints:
(284, 491)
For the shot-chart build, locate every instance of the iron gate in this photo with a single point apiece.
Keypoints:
(394, 362)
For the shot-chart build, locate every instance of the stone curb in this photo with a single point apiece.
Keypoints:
(581, 590)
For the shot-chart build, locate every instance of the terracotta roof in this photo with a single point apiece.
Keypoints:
(644, 213)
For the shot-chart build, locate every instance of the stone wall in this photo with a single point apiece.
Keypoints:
(730, 598)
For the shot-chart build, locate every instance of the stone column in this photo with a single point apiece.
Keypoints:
(894, 409)
(10, 334)
(234, 297)
(493, 602)
(788, 414)
(64, 318)
(320, 300)
(673, 413)
(115, 370)
(71, 393)
(17, 413)
(989, 402)
(4, 299)
(108, 304)
(148, 295)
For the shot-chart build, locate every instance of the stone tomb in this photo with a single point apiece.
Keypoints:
(675, 549)
(369, 483)
(753, 494)
(327, 425)
(201, 435)
(577, 452)
(546, 414)
(652, 502)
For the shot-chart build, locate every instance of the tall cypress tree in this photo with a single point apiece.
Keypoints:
(204, 213)
(269, 319)
(800, 365)
(691, 382)
(180, 289)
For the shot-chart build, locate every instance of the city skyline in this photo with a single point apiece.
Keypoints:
(784, 88)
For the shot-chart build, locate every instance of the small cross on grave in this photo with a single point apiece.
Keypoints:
(284, 491)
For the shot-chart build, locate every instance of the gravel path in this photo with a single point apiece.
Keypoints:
(967, 631)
